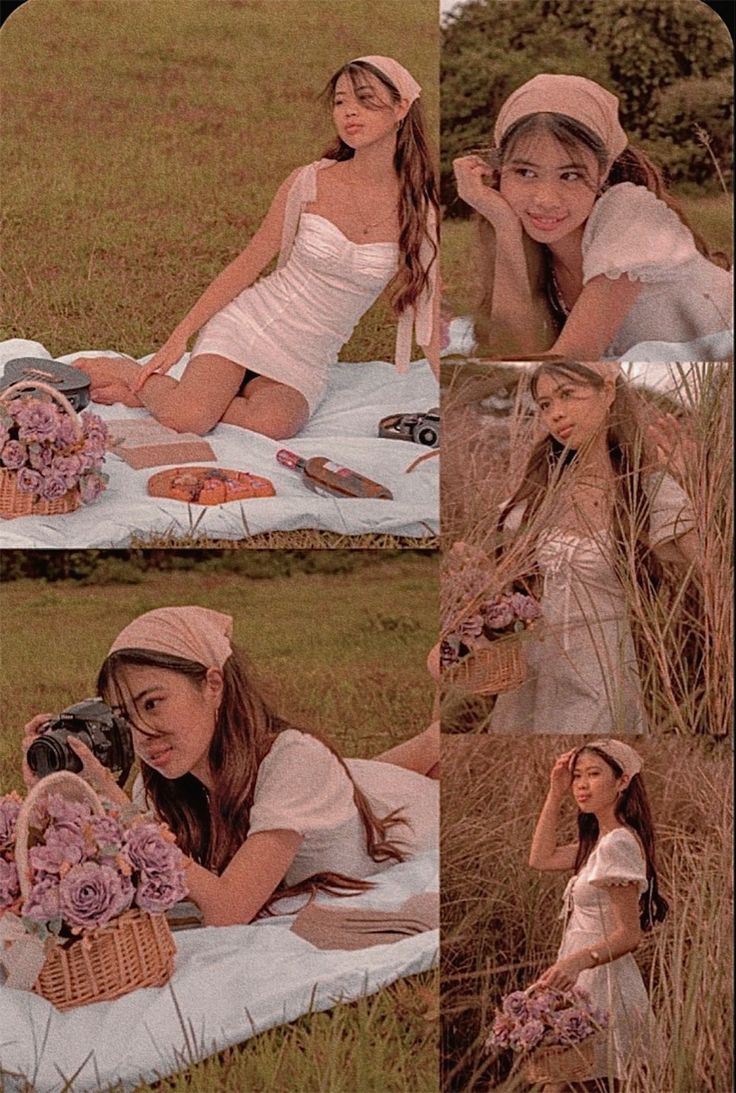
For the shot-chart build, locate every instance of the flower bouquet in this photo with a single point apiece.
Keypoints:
(83, 894)
(50, 458)
(555, 1032)
(483, 654)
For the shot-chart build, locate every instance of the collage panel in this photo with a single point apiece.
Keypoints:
(274, 709)
(231, 269)
(588, 537)
(640, 927)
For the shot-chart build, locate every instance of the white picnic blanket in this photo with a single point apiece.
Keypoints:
(230, 983)
(344, 428)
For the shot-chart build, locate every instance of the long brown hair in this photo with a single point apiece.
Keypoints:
(418, 192)
(632, 809)
(631, 166)
(210, 829)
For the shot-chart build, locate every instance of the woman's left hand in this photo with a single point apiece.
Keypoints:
(564, 974)
(96, 775)
(676, 449)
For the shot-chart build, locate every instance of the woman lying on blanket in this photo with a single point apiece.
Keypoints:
(361, 218)
(263, 809)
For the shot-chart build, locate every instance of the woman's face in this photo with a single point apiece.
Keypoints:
(173, 718)
(364, 114)
(595, 787)
(571, 410)
(550, 188)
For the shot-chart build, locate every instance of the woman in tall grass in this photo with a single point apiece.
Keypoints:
(345, 227)
(612, 897)
(586, 253)
(263, 809)
(597, 513)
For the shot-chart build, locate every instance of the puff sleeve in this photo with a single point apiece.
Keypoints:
(301, 786)
(670, 511)
(630, 231)
(618, 860)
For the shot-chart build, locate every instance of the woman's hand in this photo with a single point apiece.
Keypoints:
(96, 775)
(560, 779)
(170, 352)
(473, 176)
(563, 975)
(676, 449)
(30, 732)
(104, 371)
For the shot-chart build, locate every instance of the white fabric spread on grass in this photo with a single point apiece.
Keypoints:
(229, 984)
(344, 428)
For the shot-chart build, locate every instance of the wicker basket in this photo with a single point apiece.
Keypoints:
(561, 1064)
(134, 950)
(500, 666)
(14, 503)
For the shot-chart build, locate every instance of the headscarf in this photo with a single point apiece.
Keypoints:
(623, 754)
(400, 77)
(575, 97)
(193, 633)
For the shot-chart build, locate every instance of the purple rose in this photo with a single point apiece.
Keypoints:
(42, 902)
(524, 607)
(49, 860)
(69, 467)
(530, 1034)
(498, 615)
(29, 481)
(54, 487)
(91, 485)
(150, 852)
(9, 809)
(91, 894)
(66, 434)
(572, 1026)
(470, 627)
(515, 1004)
(9, 883)
(37, 420)
(13, 454)
(157, 893)
(66, 815)
(40, 457)
(107, 831)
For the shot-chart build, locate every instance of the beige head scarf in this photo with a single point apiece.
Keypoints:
(193, 633)
(623, 754)
(400, 77)
(575, 97)
(605, 369)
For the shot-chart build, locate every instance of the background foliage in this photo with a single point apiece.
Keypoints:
(669, 63)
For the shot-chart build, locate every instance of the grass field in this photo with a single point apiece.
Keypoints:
(143, 140)
(342, 653)
(499, 917)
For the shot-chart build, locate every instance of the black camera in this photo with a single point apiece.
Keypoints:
(106, 735)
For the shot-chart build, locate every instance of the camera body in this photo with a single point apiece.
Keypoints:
(107, 736)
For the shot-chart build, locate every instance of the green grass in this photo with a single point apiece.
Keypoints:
(142, 143)
(342, 653)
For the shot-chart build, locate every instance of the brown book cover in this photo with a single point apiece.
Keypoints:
(144, 442)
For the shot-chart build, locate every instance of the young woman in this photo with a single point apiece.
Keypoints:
(596, 513)
(587, 254)
(612, 897)
(262, 809)
(361, 218)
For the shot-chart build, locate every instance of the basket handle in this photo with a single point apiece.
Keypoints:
(39, 385)
(64, 782)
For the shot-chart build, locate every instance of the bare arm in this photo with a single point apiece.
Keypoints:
(545, 854)
(598, 313)
(421, 753)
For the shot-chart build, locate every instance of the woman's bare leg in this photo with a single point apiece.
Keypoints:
(270, 408)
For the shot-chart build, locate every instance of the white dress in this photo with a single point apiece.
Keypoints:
(291, 325)
(301, 786)
(582, 674)
(617, 986)
(683, 296)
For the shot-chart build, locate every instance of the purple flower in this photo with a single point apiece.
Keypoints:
(107, 831)
(91, 894)
(67, 815)
(13, 455)
(498, 615)
(150, 852)
(529, 1034)
(9, 883)
(36, 420)
(29, 481)
(515, 1004)
(9, 809)
(470, 627)
(69, 467)
(40, 456)
(91, 486)
(50, 860)
(572, 1026)
(54, 487)
(524, 607)
(66, 434)
(42, 902)
(158, 893)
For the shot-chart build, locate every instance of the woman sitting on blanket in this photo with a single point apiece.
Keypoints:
(263, 809)
(342, 235)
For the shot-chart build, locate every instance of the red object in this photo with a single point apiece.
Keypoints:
(323, 476)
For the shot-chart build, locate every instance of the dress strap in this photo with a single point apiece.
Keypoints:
(303, 191)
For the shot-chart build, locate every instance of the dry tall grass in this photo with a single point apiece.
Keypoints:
(499, 918)
(683, 630)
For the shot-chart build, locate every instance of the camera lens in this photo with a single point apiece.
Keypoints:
(47, 755)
